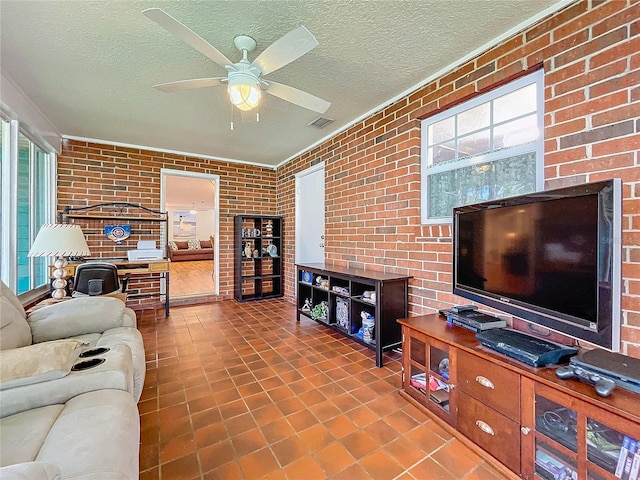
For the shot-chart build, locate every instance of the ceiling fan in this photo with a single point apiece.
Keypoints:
(243, 80)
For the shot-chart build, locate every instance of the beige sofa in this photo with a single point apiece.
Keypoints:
(82, 424)
(180, 251)
(93, 436)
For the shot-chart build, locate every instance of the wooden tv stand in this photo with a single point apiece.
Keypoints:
(515, 413)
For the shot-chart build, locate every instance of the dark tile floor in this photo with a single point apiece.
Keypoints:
(242, 391)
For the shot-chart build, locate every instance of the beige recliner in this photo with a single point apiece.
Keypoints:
(92, 322)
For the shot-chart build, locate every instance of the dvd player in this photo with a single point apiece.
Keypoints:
(472, 319)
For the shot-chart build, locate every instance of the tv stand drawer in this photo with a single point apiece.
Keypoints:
(489, 383)
(498, 435)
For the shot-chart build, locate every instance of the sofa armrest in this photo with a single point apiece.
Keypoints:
(30, 471)
(76, 317)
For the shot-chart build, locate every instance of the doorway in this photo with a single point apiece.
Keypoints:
(191, 201)
(310, 215)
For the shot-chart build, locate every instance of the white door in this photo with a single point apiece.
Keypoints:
(310, 215)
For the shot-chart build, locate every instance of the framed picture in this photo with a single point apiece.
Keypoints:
(184, 225)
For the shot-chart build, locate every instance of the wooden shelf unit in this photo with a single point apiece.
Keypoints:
(258, 277)
(391, 302)
(513, 414)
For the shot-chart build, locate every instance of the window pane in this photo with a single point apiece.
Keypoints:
(474, 144)
(22, 247)
(40, 211)
(477, 183)
(442, 153)
(517, 132)
(442, 130)
(474, 119)
(515, 104)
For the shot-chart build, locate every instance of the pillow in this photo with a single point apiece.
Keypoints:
(172, 245)
(5, 292)
(205, 244)
(193, 244)
(14, 329)
(182, 245)
(37, 363)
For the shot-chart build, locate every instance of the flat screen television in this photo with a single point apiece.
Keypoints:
(552, 258)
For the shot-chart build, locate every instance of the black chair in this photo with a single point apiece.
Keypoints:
(93, 278)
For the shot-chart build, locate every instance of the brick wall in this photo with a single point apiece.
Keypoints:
(91, 173)
(590, 52)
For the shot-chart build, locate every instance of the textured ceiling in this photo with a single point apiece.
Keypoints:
(89, 66)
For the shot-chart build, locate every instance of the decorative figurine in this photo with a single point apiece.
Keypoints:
(269, 228)
(247, 250)
(320, 311)
(307, 305)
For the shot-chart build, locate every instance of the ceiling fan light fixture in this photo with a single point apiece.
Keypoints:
(244, 91)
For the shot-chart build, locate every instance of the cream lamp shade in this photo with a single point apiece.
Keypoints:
(59, 240)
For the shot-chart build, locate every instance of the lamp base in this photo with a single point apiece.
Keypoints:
(59, 283)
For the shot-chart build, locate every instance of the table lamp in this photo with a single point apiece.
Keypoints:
(60, 241)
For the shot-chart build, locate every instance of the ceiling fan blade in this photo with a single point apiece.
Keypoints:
(298, 97)
(185, 34)
(190, 84)
(285, 50)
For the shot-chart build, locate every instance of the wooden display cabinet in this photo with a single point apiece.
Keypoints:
(525, 421)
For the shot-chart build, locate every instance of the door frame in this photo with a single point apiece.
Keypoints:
(164, 172)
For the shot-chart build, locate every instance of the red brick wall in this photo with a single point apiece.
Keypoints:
(590, 55)
(91, 173)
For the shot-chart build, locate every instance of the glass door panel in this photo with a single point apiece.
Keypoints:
(556, 422)
(611, 450)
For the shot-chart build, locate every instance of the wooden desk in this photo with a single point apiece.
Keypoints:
(141, 270)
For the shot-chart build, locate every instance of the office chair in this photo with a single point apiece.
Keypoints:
(95, 278)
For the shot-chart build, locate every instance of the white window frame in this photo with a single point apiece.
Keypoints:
(427, 170)
(9, 196)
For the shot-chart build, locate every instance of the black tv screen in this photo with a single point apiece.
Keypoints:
(552, 258)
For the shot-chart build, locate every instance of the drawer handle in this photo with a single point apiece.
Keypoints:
(484, 427)
(485, 382)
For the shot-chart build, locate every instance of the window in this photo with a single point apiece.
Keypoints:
(489, 147)
(27, 174)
